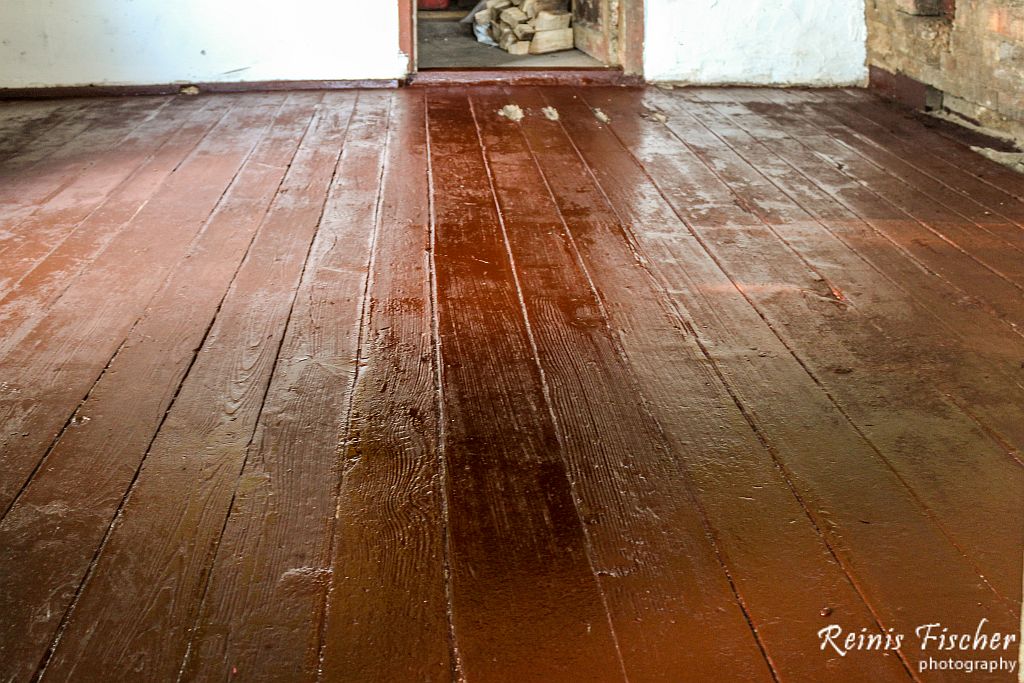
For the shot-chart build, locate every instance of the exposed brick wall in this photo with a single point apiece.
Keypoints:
(971, 50)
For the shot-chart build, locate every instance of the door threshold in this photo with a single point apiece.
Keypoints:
(524, 76)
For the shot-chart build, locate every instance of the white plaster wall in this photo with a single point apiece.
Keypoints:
(79, 42)
(813, 42)
(137, 42)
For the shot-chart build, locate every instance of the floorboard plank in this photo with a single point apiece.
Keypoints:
(24, 122)
(263, 604)
(34, 290)
(51, 370)
(35, 137)
(913, 149)
(516, 541)
(915, 126)
(44, 560)
(67, 152)
(855, 503)
(649, 384)
(988, 272)
(958, 342)
(387, 612)
(994, 229)
(964, 476)
(36, 236)
(139, 609)
(645, 466)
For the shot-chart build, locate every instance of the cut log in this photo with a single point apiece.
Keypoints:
(483, 17)
(520, 47)
(524, 32)
(533, 7)
(498, 4)
(551, 21)
(513, 16)
(507, 41)
(551, 41)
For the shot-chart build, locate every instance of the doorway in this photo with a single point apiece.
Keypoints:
(590, 35)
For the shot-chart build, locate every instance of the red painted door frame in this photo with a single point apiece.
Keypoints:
(407, 32)
(630, 43)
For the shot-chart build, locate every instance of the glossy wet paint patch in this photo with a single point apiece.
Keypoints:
(507, 383)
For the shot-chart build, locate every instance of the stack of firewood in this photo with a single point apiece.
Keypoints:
(532, 27)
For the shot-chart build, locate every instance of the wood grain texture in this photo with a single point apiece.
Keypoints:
(920, 128)
(615, 444)
(387, 615)
(381, 385)
(963, 255)
(753, 357)
(737, 481)
(969, 453)
(26, 123)
(516, 540)
(45, 558)
(47, 227)
(34, 130)
(265, 594)
(913, 149)
(906, 418)
(991, 231)
(66, 153)
(952, 332)
(34, 287)
(178, 504)
(50, 370)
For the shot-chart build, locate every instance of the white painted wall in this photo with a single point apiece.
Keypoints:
(813, 42)
(78, 42)
(136, 42)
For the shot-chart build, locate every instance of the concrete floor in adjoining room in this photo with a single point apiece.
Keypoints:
(381, 385)
(448, 44)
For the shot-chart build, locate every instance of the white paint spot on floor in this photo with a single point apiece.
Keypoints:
(656, 115)
(307, 573)
(601, 116)
(550, 113)
(512, 112)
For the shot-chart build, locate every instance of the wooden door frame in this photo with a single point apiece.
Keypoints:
(631, 36)
(630, 41)
(407, 33)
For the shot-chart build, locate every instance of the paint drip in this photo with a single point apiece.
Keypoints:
(656, 115)
(512, 112)
(550, 113)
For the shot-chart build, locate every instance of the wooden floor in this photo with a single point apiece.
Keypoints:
(383, 386)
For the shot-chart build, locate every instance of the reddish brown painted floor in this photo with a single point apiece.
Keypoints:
(383, 386)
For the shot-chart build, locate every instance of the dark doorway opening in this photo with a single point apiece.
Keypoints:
(445, 42)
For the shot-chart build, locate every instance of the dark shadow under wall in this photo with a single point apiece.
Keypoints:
(961, 60)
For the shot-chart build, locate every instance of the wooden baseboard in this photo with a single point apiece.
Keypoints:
(174, 88)
(542, 76)
(539, 76)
